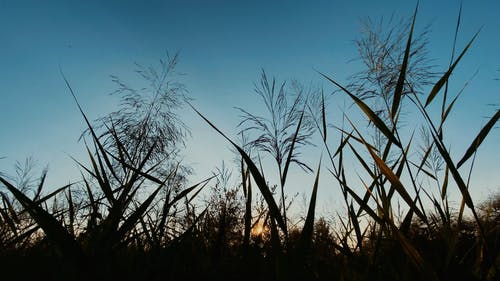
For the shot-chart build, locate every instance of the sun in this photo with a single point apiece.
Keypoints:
(258, 228)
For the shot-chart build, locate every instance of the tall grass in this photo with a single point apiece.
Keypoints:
(124, 222)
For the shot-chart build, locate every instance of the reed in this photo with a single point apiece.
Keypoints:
(126, 221)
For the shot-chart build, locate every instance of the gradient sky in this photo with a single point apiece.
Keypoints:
(223, 45)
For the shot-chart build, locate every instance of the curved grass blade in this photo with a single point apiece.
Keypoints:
(290, 152)
(205, 183)
(93, 133)
(400, 168)
(440, 83)
(259, 179)
(453, 49)
(343, 142)
(368, 112)
(394, 180)
(479, 139)
(398, 92)
(186, 191)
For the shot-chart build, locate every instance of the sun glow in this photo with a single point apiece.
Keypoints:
(258, 228)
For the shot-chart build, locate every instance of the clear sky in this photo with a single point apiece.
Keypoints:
(223, 45)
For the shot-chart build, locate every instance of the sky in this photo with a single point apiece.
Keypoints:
(223, 46)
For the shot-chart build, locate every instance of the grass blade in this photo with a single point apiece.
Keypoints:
(393, 178)
(103, 183)
(186, 191)
(357, 229)
(92, 222)
(398, 92)
(40, 185)
(456, 175)
(47, 197)
(131, 221)
(290, 152)
(323, 115)
(362, 161)
(307, 230)
(248, 206)
(50, 225)
(444, 188)
(479, 139)
(71, 212)
(363, 205)
(437, 87)
(259, 179)
(93, 133)
(368, 112)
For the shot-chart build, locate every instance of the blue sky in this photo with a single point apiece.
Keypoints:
(223, 45)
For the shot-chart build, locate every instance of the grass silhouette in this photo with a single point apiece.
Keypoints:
(126, 221)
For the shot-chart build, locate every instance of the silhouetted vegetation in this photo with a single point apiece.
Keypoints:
(134, 217)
